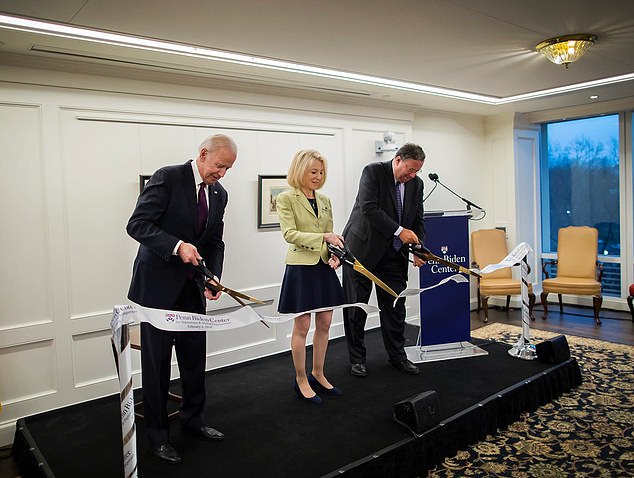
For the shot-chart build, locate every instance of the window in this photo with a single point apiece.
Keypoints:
(580, 186)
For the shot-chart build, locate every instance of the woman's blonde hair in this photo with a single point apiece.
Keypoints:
(300, 164)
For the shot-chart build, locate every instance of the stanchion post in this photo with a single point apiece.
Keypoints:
(121, 343)
(523, 349)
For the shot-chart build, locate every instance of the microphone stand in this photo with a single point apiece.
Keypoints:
(469, 203)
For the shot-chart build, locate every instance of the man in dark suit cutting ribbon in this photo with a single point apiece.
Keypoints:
(178, 221)
(387, 213)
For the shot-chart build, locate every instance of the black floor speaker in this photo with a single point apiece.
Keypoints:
(554, 350)
(419, 412)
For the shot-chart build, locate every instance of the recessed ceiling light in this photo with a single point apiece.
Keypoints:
(594, 97)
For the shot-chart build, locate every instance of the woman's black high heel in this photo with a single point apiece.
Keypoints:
(318, 387)
(314, 399)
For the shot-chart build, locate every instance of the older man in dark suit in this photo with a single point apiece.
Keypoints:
(178, 220)
(387, 213)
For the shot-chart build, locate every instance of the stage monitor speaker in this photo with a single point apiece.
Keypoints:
(419, 412)
(553, 350)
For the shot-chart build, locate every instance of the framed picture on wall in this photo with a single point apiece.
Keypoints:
(143, 179)
(268, 189)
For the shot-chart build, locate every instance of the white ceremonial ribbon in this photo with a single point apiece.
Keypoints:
(187, 322)
(124, 315)
(512, 259)
(410, 292)
(515, 257)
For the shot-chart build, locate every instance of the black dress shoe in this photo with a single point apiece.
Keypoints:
(166, 453)
(315, 399)
(358, 370)
(406, 367)
(318, 387)
(205, 433)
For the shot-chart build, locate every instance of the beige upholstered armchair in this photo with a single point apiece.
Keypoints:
(489, 247)
(578, 271)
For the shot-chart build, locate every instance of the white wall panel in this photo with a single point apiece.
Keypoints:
(160, 145)
(27, 371)
(93, 361)
(503, 206)
(25, 292)
(100, 163)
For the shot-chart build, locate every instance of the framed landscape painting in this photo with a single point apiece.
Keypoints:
(268, 189)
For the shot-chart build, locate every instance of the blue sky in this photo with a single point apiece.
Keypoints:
(600, 128)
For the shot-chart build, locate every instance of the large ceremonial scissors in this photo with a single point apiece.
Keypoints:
(345, 257)
(422, 252)
(203, 279)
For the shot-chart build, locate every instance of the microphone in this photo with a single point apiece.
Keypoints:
(434, 177)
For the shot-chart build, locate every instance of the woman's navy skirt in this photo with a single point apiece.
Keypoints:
(309, 287)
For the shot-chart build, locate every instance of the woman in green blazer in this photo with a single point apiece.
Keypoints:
(310, 281)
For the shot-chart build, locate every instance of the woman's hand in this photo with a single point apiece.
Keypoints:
(334, 262)
(334, 239)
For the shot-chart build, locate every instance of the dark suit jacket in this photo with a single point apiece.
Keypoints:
(165, 212)
(373, 220)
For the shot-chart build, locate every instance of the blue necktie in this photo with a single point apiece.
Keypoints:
(203, 210)
(396, 241)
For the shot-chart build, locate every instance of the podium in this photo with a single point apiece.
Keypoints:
(445, 328)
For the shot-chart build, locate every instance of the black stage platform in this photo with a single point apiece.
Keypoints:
(270, 433)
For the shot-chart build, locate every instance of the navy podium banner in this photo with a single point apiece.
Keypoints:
(445, 311)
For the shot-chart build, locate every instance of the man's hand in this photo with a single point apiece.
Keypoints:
(418, 261)
(188, 253)
(211, 295)
(407, 236)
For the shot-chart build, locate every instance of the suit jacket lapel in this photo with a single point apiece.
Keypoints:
(189, 190)
(301, 199)
(391, 187)
(321, 204)
(407, 199)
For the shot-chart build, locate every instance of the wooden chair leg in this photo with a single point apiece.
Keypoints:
(596, 305)
(561, 304)
(531, 305)
(544, 298)
(508, 302)
(485, 307)
(479, 299)
(629, 303)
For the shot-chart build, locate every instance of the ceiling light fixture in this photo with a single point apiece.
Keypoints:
(566, 49)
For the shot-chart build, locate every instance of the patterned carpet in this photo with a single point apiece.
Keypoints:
(586, 433)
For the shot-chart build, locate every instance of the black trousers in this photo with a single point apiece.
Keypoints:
(156, 358)
(392, 269)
